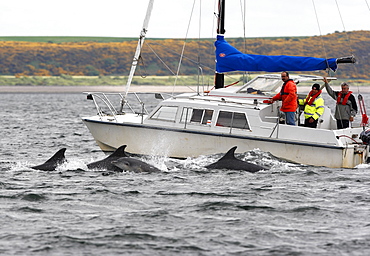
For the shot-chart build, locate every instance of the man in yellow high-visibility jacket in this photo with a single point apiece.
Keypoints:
(313, 106)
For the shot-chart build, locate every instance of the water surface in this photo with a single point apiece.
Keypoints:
(290, 209)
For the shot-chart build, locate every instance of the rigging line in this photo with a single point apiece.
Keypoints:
(200, 19)
(368, 7)
(215, 16)
(187, 58)
(184, 57)
(142, 73)
(199, 69)
(183, 49)
(322, 41)
(214, 22)
(160, 59)
(344, 28)
(340, 15)
(243, 13)
(349, 41)
(139, 60)
(243, 19)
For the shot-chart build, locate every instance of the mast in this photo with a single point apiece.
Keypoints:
(219, 77)
(139, 46)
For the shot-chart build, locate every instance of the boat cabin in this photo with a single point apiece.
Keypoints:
(239, 107)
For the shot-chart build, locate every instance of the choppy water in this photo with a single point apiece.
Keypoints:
(184, 210)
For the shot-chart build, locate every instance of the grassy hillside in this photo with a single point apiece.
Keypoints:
(108, 58)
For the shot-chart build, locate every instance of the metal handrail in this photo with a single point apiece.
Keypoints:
(104, 97)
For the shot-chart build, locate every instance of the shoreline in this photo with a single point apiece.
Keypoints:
(133, 88)
(87, 88)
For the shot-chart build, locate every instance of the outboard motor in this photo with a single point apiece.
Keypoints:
(365, 136)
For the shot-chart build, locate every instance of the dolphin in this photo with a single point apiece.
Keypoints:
(50, 165)
(106, 163)
(134, 165)
(229, 161)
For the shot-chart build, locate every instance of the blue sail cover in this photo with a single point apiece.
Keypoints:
(229, 59)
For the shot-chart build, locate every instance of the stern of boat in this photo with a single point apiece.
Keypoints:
(356, 155)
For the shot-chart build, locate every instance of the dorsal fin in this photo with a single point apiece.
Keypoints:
(120, 152)
(58, 156)
(230, 154)
(50, 165)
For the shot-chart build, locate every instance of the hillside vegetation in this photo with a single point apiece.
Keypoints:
(67, 56)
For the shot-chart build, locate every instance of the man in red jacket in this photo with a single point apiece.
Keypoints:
(289, 98)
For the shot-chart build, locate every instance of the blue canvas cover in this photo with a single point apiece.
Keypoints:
(229, 59)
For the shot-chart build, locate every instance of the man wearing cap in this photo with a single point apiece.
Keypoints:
(346, 107)
(313, 106)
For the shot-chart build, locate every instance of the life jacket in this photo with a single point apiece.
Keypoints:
(288, 96)
(311, 97)
(345, 98)
(282, 91)
(315, 109)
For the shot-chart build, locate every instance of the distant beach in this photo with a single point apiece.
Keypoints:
(133, 88)
(80, 89)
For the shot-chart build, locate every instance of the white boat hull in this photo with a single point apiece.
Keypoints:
(182, 143)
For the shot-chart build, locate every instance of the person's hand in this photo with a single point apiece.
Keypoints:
(325, 80)
(351, 119)
(311, 120)
(269, 101)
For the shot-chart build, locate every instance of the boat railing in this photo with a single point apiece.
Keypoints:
(251, 101)
(114, 104)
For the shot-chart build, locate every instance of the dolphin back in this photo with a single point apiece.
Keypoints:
(52, 163)
(106, 163)
(119, 152)
(229, 161)
(134, 165)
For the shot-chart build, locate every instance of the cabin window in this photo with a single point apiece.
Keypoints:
(165, 113)
(232, 119)
(194, 115)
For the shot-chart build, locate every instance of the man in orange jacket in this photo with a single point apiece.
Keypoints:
(289, 98)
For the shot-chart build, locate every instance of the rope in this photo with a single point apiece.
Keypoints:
(349, 42)
(160, 59)
(322, 41)
(243, 15)
(368, 7)
(183, 49)
(360, 98)
(150, 45)
(346, 136)
(199, 68)
(142, 67)
(365, 118)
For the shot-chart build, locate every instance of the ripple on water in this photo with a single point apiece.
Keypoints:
(289, 209)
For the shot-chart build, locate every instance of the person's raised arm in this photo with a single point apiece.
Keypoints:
(329, 89)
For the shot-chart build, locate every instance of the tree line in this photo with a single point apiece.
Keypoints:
(161, 57)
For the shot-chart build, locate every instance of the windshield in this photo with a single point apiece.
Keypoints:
(263, 84)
